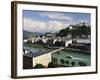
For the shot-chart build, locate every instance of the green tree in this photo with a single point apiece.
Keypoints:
(69, 57)
(64, 32)
(41, 36)
(39, 66)
(73, 63)
(76, 31)
(62, 61)
(82, 64)
(67, 62)
(52, 65)
(55, 60)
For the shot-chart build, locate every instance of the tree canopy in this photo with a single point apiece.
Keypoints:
(75, 31)
(39, 66)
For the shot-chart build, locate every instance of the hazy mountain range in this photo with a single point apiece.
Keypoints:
(27, 34)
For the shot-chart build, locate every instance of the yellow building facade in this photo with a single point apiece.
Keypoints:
(44, 59)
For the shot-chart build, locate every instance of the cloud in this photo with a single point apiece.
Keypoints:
(55, 26)
(62, 17)
(41, 26)
(56, 16)
(35, 26)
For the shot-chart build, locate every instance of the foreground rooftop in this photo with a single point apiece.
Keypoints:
(34, 52)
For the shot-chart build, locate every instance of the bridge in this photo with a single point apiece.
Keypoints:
(70, 42)
(57, 50)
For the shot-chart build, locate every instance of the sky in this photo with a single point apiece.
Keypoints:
(49, 21)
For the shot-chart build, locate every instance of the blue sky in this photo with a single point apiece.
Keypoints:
(43, 21)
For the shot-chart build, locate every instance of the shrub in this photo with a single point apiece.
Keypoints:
(39, 66)
(73, 63)
(69, 57)
(52, 65)
(82, 64)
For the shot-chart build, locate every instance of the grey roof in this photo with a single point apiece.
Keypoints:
(34, 52)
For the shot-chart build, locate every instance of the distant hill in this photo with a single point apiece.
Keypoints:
(27, 34)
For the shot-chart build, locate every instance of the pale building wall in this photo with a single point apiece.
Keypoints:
(25, 40)
(68, 42)
(42, 59)
(83, 40)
